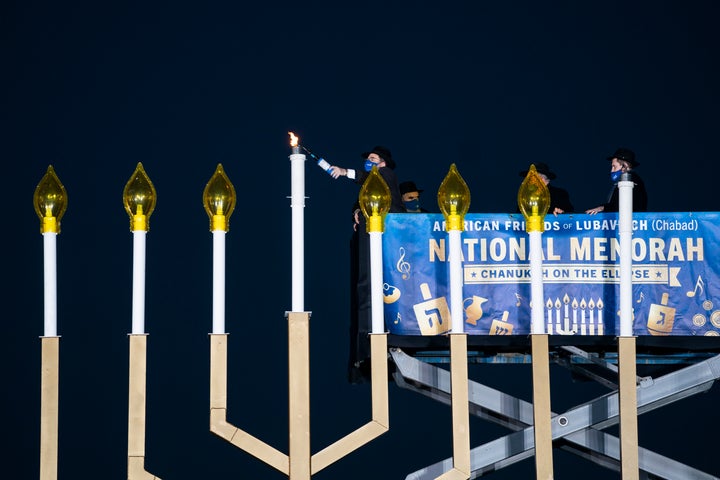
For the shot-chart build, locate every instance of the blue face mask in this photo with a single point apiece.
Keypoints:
(615, 176)
(369, 165)
(412, 205)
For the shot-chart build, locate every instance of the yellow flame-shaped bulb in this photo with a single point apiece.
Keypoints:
(454, 199)
(374, 200)
(219, 200)
(50, 201)
(139, 199)
(534, 201)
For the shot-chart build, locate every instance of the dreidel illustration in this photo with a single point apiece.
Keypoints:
(661, 317)
(433, 315)
(501, 327)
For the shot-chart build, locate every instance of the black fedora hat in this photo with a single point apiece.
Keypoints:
(541, 168)
(382, 152)
(406, 187)
(625, 154)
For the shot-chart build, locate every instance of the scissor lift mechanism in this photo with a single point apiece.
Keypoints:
(578, 430)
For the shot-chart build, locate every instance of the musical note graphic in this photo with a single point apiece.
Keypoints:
(403, 266)
(519, 299)
(707, 304)
(398, 317)
(641, 298)
(699, 284)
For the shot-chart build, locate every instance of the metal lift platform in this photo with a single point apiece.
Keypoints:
(688, 366)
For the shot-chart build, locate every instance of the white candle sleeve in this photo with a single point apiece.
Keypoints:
(536, 283)
(625, 189)
(50, 283)
(377, 311)
(138, 298)
(297, 204)
(456, 282)
(218, 319)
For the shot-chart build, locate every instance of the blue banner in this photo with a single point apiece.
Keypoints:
(675, 277)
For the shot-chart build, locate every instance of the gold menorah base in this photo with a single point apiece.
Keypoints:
(299, 464)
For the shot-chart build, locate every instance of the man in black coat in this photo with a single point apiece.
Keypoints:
(559, 197)
(360, 302)
(623, 161)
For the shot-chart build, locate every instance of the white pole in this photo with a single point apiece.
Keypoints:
(50, 280)
(456, 281)
(536, 283)
(297, 204)
(625, 187)
(376, 283)
(218, 322)
(138, 298)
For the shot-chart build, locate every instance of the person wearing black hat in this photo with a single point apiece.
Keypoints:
(623, 161)
(559, 197)
(411, 197)
(360, 307)
(379, 157)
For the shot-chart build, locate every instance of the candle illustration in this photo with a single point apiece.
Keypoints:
(549, 305)
(558, 324)
(574, 318)
(566, 317)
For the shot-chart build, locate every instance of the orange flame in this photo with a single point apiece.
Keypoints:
(293, 139)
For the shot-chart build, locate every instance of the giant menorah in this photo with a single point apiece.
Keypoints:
(300, 463)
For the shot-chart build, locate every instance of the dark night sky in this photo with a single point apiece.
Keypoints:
(93, 88)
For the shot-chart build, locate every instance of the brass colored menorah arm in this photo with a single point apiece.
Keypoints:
(136, 469)
(218, 411)
(380, 422)
(136, 409)
(454, 474)
(460, 409)
(627, 398)
(541, 406)
(49, 407)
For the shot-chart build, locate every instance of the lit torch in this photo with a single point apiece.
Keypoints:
(321, 162)
(294, 143)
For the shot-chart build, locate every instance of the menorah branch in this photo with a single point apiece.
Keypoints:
(541, 406)
(460, 405)
(49, 407)
(218, 411)
(627, 397)
(136, 408)
(380, 422)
